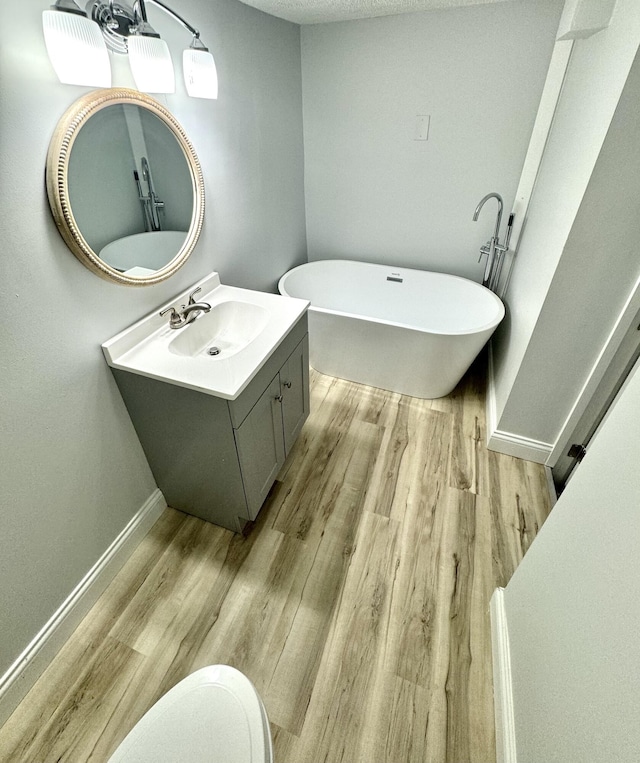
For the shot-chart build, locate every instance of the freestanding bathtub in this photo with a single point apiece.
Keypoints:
(405, 330)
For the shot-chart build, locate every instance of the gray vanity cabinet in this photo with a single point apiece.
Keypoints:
(294, 377)
(268, 432)
(217, 459)
(260, 445)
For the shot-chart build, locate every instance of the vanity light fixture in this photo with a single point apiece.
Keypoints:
(149, 56)
(199, 68)
(124, 29)
(75, 45)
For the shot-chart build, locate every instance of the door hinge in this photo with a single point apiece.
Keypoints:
(577, 451)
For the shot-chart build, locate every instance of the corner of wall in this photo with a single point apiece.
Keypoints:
(508, 443)
(502, 683)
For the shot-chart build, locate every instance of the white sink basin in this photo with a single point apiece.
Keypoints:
(227, 328)
(246, 326)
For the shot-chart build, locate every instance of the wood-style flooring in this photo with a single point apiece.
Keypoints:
(358, 605)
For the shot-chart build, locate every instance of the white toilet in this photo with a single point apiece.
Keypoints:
(215, 715)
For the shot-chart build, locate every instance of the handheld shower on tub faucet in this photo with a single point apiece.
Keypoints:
(493, 248)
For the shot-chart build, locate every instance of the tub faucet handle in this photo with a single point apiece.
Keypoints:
(485, 249)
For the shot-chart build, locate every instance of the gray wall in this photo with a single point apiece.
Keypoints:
(73, 472)
(372, 192)
(573, 611)
(577, 259)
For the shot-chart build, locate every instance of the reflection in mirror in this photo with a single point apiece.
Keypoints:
(125, 187)
(143, 253)
(144, 186)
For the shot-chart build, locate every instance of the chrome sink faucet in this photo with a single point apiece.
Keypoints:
(493, 248)
(188, 313)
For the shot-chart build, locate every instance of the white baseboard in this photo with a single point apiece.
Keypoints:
(25, 671)
(502, 686)
(490, 405)
(521, 447)
(506, 442)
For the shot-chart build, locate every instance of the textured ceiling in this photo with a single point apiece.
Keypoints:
(320, 11)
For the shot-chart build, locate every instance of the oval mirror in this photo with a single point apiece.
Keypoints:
(125, 187)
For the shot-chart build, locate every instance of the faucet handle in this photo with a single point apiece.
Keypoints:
(175, 318)
(485, 249)
(195, 291)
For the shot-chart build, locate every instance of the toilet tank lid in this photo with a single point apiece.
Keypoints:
(215, 714)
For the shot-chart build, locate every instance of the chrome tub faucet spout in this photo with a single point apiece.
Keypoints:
(481, 204)
(493, 248)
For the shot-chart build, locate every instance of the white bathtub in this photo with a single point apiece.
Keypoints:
(409, 331)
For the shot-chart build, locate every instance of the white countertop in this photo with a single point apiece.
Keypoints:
(143, 348)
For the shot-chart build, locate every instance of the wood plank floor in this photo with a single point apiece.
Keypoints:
(358, 605)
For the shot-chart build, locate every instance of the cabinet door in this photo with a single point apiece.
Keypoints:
(260, 447)
(294, 383)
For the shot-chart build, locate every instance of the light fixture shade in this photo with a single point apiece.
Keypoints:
(151, 65)
(200, 75)
(76, 49)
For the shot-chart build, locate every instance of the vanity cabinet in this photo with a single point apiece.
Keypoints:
(217, 459)
(265, 437)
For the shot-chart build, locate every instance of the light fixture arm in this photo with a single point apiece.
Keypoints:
(141, 22)
(68, 6)
(174, 15)
(118, 21)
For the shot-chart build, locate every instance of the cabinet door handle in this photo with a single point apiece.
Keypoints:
(279, 398)
(287, 385)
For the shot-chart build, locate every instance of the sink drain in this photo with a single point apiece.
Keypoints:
(213, 351)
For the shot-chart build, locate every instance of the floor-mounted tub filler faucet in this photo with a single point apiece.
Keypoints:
(151, 203)
(493, 248)
(188, 313)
